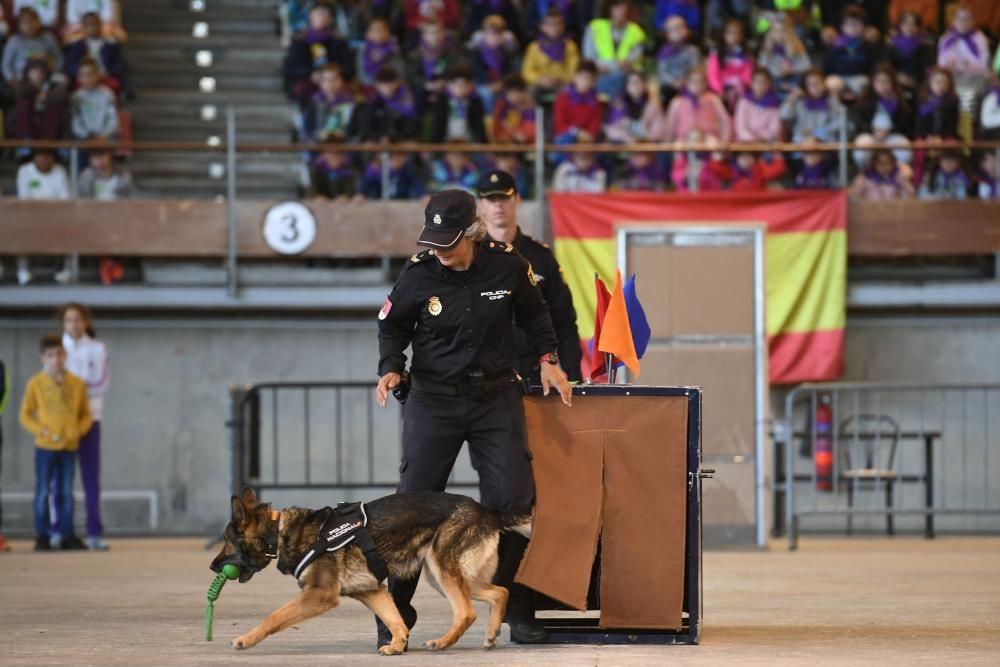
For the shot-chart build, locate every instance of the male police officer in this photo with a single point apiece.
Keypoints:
(498, 202)
(455, 304)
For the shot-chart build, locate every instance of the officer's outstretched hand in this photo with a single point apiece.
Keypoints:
(553, 376)
(386, 383)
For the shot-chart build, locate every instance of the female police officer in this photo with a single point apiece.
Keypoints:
(455, 303)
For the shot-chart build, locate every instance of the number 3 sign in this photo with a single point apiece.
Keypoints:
(289, 228)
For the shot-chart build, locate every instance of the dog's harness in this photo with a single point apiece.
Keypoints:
(342, 525)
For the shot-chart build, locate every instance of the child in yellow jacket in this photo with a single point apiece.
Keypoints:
(550, 61)
(55, 410)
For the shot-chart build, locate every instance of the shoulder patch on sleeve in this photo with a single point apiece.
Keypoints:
(420, 256)
(500, 246)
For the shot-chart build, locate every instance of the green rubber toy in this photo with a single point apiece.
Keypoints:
(228, 572)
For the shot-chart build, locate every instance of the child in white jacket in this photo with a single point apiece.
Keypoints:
(87, 358)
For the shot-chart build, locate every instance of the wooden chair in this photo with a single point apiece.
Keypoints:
(868, 444)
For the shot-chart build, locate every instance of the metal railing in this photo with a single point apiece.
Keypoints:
(540, 150)
(308, 436)
(910, 454)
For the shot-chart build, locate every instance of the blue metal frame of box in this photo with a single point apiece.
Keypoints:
(587, 630)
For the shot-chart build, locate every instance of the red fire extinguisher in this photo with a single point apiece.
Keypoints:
(823, 447)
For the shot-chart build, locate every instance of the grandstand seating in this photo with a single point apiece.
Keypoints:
(246, 59)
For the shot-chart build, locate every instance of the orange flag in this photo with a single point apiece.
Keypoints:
(616, 334)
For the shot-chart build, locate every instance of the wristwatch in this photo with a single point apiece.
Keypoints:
(550, 358)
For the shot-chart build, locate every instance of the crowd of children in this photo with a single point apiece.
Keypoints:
(63, 76)
(701, 73)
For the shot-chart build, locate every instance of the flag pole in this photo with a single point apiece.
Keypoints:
(609, 367)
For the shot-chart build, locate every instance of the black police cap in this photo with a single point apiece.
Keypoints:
(446, 217)
(496, 183)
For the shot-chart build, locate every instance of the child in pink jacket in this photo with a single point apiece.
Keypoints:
(696, 109)
(731, 65)
(758, 117)
(964, 49)
(883, 180)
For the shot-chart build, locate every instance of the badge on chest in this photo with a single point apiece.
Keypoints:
(434, 306)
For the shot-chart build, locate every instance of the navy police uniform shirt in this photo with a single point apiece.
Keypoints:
(548, 275)
(460, 321)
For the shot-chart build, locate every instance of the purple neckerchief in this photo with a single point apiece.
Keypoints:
(958, 176)
(768, 100)
(554, 49)
(340, 98)
(589, 171)
(890, 104)
(850, 43)
(735, 55)
(400, 102)
(739, 171)
(907, 46)
(312, 36)
(373, 56)
(669, 50)
(459, 104)
(694, 99)
(526, 114)
(493, 58)
(778, 49)
(815, 176)
(626, 107)
(343, 170)
(432, 57)
(950, 38)
(932, 104)
(580, 99)
(374, 170)
(990, 182)
(645, 178)
(817, 103)
(872, 175)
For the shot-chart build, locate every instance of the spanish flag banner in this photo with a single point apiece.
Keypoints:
(806, 261)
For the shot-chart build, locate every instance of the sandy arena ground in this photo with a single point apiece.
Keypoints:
(900, 601)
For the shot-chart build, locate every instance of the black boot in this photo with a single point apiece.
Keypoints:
(402, 593)
(520, 615)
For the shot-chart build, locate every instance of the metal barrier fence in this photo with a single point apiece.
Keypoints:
(539, 151)
(308, 436)
(905, 454)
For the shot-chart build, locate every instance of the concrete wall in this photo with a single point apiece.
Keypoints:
(165, 424)
(164, 427)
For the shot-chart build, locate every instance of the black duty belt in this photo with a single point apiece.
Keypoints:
(474, 385)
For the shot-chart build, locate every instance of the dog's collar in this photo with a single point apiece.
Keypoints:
(270, 537)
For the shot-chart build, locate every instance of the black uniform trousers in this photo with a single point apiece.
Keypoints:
(434, 428)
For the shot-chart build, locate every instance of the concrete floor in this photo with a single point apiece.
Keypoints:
(900, 601)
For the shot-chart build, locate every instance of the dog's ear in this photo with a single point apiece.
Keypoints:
(248, 497)
(239, 512)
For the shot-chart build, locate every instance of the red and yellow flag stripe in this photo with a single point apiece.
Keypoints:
(806, 261)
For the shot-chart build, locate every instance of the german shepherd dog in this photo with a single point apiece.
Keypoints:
(453, 538)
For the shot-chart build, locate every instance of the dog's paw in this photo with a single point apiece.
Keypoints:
(491, 642)
(389, 649)
(435, 645)
(242, 643)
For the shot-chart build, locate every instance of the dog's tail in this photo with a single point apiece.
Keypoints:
(513, 522)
